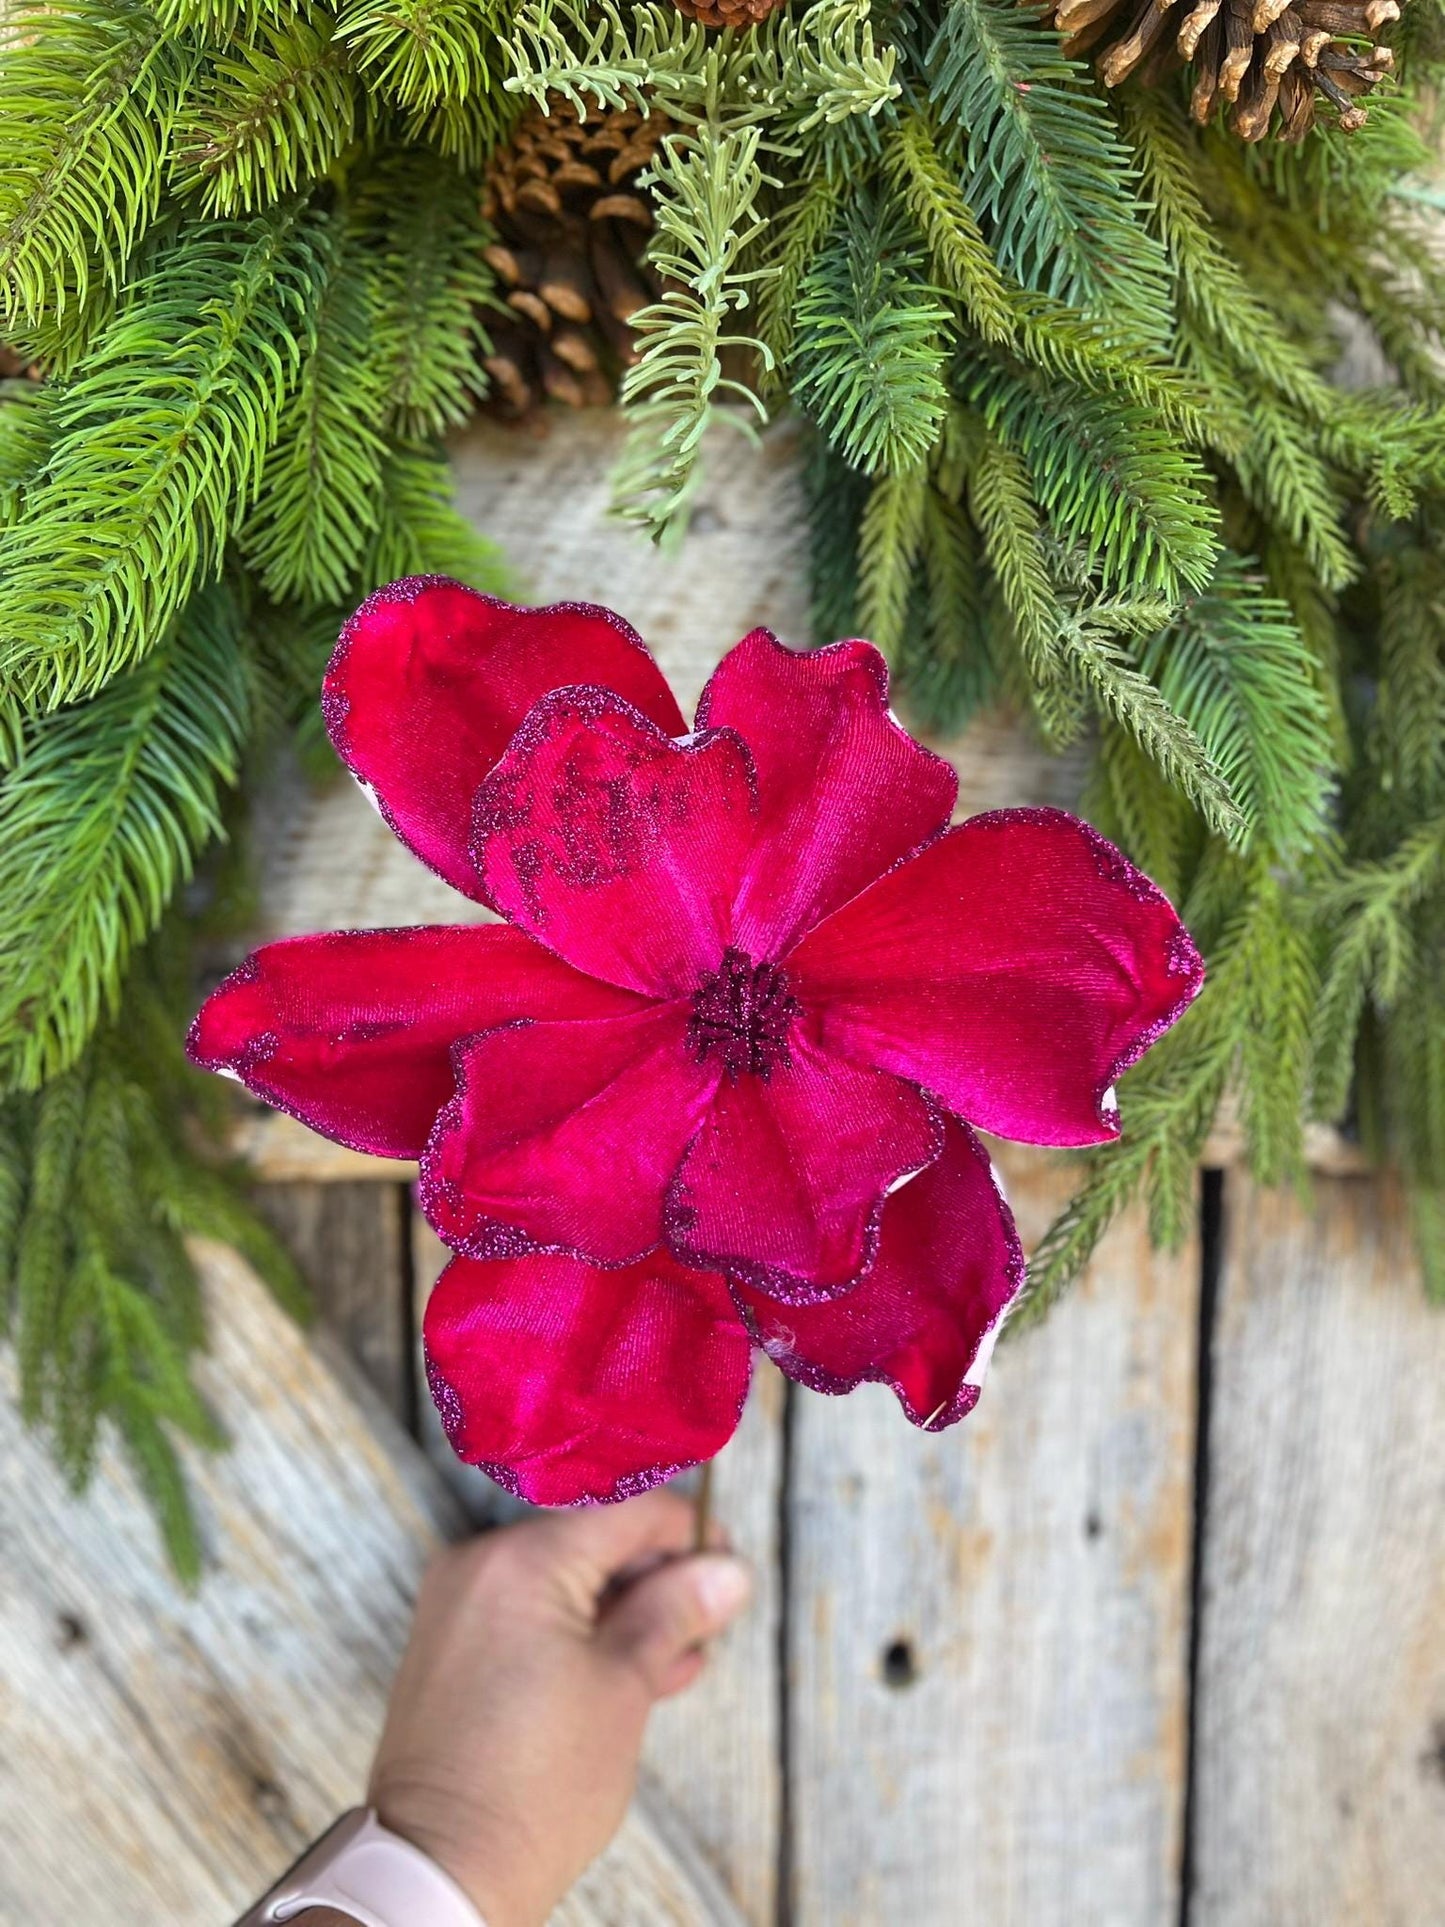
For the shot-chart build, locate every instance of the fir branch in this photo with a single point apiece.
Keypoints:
(89, 87)
(318, 502)
(1109, 478)
(1286, 481)
(1369, 912)
(889, 542)
(100, 822)
(870, 344)
(270, 117)
(27, 429)
(1407, 732)
(961, 257)
(705, 190)
(802, 72)
(1234, 665)
(1212, 288)
(1003, 506)
(1044, 168)
(947, 668)
(421, 53)
(422, 221)
(105, 1182)
(1100, 664)
(419, 532)
(181, 396)
(793, 239)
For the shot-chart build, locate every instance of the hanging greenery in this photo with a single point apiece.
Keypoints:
(1079, 441)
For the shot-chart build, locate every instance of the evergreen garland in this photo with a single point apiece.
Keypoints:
(1077, 443)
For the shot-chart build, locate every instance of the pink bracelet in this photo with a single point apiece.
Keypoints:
(370, 1874)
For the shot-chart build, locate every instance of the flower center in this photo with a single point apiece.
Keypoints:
(743, 1013)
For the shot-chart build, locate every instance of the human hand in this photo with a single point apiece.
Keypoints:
(515, 1723)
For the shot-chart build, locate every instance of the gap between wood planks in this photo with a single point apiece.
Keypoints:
(1211, 1259)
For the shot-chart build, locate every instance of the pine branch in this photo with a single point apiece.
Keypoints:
(421, 219)
(270, 117)
(1100, 665)
(90, 87)
(418, 532)
(100, 822)
(889, 542)
(1044, 169)
(1108, 476)
(183, 394)
(27, 429)
(1407, 735)
(961, 257)
(318, 502)
(103, 1184)
(799, 72)
(1003, 506)
(1370, 914)
(441, 62)
(793, 240)
(705, 194)
(870, 344)
(1234, 665)
(947, 668)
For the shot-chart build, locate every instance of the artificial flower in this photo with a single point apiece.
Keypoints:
(750, 984)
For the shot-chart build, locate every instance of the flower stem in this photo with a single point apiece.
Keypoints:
(704, 1508)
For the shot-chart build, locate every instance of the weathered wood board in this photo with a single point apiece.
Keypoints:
(351, 1242)
(717, 1749)
(988, 1634)
(1320, 1737)
(163, 1757)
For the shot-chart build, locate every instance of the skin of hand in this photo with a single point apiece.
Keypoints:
(514, 1727)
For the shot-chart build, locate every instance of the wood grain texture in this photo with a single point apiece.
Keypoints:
(163, 1757)
(988, 1637)
(1320, 1746)
(716, 1749)
(350, 1241)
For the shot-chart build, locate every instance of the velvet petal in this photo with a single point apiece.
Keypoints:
(843, 789)
(570, 1385)
(430, 680)
(563, 1137)
(784, 1185)
(925, 1317)
(1015, 968)
(613, 844)
(352, 1031)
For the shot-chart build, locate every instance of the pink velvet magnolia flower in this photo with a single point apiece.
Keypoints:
(706, 1086)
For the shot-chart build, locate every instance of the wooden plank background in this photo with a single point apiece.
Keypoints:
(1000, 1677)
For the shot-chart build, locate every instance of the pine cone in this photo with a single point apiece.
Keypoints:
(571, 226)
(1258, 54)
(13, 366)
(736, 14)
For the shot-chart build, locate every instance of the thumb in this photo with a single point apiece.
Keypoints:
(660, 1623)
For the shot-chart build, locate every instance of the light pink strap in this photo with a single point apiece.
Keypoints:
(376, 1877)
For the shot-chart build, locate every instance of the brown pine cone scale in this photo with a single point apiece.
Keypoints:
(571, 225)
(734, 14)
(1272, 61)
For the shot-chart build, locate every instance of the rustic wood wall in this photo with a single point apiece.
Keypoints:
(1156, 1636)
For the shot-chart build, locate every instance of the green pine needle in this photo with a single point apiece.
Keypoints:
(870, 349)
(100, 822)
(270, 116)
(88, 88)
(182, 395)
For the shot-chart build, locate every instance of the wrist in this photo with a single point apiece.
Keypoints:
(361, 1874)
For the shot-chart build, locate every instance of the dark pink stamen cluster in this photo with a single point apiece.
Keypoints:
(743, 1012)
